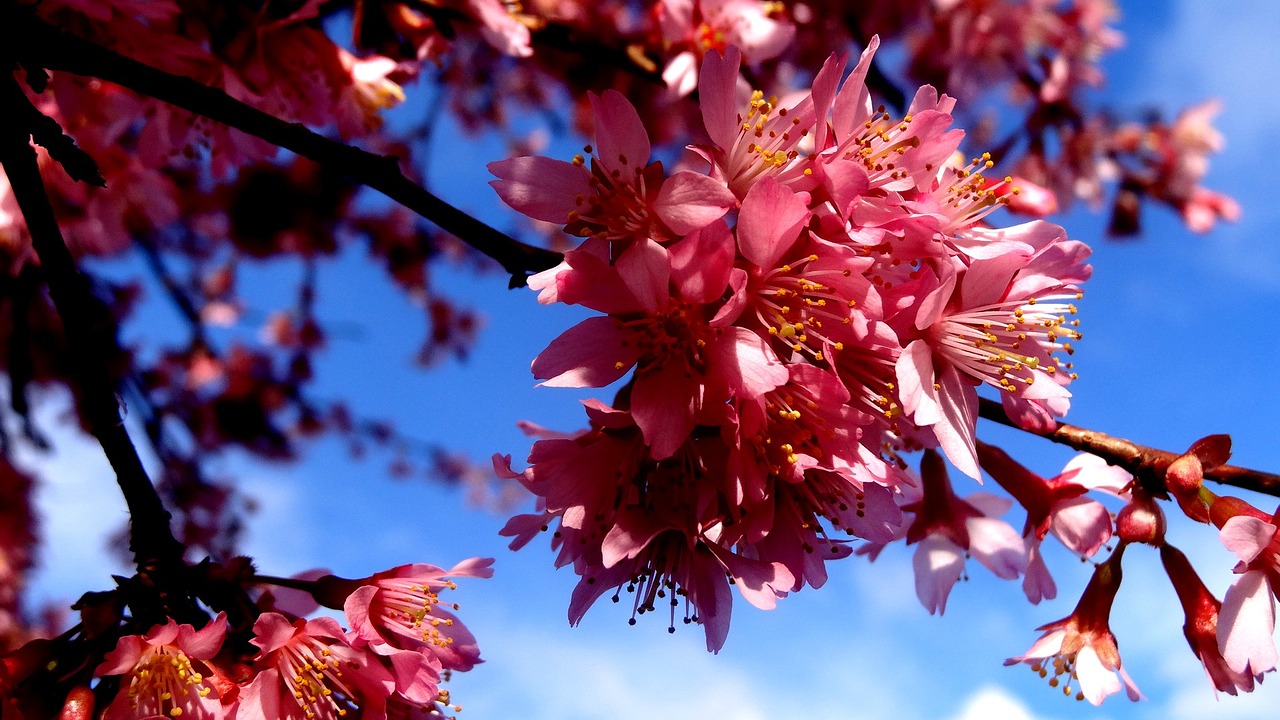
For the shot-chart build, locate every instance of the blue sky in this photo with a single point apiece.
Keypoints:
(1174, 349)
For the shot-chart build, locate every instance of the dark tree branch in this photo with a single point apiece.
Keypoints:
(1145, 463)
(57, 50)
(157, 554)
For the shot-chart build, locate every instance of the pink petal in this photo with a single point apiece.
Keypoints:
(938, 563)
(690, 200)
(999, 547)
(205, 642)
(914, 370)
(542, 188)
(824, 92)
(702, 261)
(845, 182)
(622, 143)
(1246, 536)
(956, 432)
(1083, 525)
(662, 403)
(770, 221)
(760, 583)
(477, 567)
(1097, 682)
(271, 631)
(589, 354)
(645, 268)
(123, 658)
(1095, 473)
(1246, 625)
(357, 609)
(746, 363)
(852, 105)
(1038, 583)
(717, 89)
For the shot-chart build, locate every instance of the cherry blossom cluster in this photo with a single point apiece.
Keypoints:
(808, 295)
(404, 640)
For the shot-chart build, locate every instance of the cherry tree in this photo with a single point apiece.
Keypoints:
(812, 240)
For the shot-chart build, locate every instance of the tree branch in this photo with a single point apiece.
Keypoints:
(57, 50)
(1145, 463)
(157, 554)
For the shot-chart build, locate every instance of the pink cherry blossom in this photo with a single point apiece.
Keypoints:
(620, 198)
(1202, 612)
(948, 529)
(696, 27)
(1002, 321)
(307, 670)
(165, 673)
(1078, 653)
(401, 607)
(1246, 624)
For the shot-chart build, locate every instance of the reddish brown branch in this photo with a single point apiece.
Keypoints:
(57, 50)
(1146, 463)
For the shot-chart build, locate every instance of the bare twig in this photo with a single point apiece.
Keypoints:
(1145, 463)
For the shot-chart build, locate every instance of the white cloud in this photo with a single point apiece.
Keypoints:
(564, 676)
(79, 506)
(993, 703)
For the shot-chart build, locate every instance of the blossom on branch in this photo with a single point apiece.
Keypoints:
(164, 673)
(1078, 653)
(817, 290)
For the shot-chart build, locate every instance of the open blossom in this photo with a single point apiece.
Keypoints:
(401, 607)
(619, 196)
(1078, 653)
(1202, 612)
(1246, 623)
(696, 27)
(626, 519)
(685, 362)
(1002, 321)
(308, 670)
(948, 529)
(164, 673)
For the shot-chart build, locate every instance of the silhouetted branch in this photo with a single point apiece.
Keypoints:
(157, 554)
(57, 50)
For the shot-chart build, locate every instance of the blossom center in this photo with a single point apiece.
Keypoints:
(406, 608)
(165, 682)
(617, 206)
(793, 301)
(1010, 343)
(314, 677)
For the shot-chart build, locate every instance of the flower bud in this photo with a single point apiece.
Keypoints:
(78, 705)
(1141, 520)
(1185, 480)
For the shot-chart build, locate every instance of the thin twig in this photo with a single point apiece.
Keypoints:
(1146, 463)
(57, 50)
(157, 553)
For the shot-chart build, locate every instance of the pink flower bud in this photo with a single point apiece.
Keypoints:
(1185, 480)
(1027, 198)
(78, 705)
(1141, 521)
